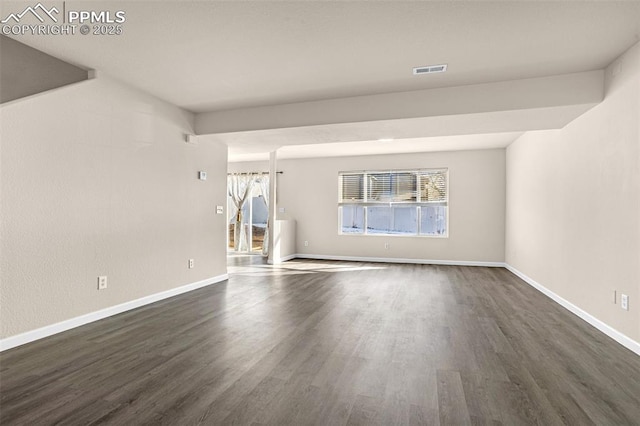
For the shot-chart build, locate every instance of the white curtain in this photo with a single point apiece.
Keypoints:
(263, 180)
(239, 187)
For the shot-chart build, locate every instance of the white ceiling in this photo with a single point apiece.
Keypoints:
(216, 56)
(205, 56)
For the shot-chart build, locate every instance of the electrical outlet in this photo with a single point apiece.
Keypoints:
(102, 282)
(386, 246)
(192, 263)
(306, 243)
(624, 302)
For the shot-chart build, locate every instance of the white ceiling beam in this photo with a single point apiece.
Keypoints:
(571, 93)
(426, 127)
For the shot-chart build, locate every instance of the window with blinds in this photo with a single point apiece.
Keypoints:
(396, 202)
(352, 187)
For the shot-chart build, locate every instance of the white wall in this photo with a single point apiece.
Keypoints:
(285, 240)
(308, 190)
(573, 203)
(97, 180)
(249, 167)
(26, 71)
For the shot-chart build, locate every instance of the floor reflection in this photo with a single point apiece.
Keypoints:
(256, 265)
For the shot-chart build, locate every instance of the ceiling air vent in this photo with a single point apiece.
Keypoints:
(430, 69)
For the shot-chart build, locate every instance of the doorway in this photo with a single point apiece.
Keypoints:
(247, 230)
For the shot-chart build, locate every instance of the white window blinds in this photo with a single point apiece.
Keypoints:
(394, 186)
(351, 187)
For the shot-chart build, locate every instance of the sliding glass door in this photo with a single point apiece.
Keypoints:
(246, 231)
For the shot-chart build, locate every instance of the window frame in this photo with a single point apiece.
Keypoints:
(418, 204)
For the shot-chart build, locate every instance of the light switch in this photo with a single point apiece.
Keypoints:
(202, 175)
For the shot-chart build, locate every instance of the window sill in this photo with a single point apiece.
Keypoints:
(347, 234)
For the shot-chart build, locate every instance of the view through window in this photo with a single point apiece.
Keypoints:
(398, 202)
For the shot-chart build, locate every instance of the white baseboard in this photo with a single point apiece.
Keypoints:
(285, 258)
(624, 340)
(49, 330)
(400, 260)
(280, 260)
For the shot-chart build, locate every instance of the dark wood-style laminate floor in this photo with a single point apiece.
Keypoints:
(330, 343)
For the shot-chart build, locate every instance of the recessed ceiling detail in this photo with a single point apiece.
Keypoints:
(410, 145)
